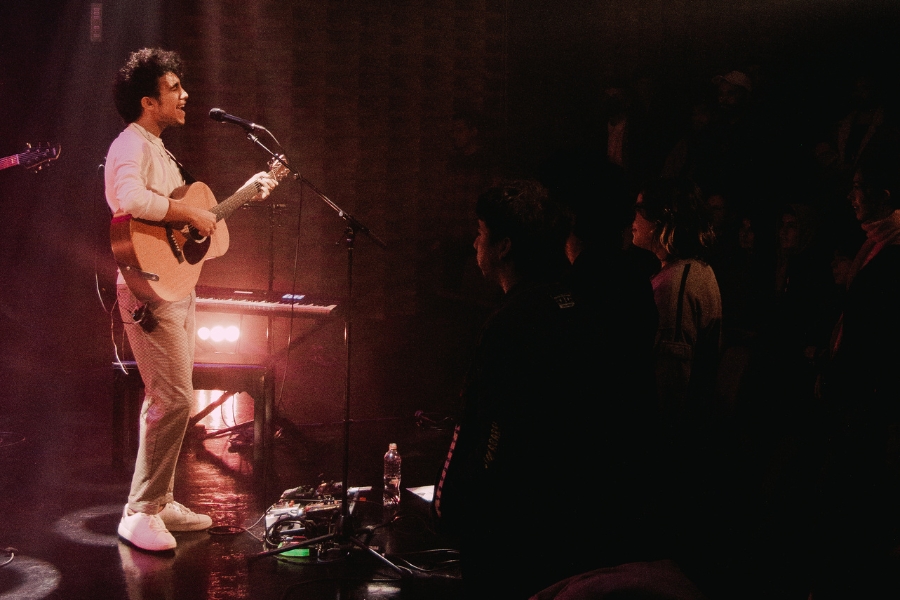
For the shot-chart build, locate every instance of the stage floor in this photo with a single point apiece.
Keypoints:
(63, 488)
(63, 494)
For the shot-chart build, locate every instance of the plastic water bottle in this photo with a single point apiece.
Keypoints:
(392, 459)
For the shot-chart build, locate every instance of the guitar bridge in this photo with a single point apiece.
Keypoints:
(173, 244)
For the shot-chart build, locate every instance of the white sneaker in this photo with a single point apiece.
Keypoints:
(178, 517)
(147, 532)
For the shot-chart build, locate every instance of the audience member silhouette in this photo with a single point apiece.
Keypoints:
(609, 275)
(671, 221)
(692, 155)
(868, 123)
(859, 523)
(777, 418)
(747, 144)
(449, 271)
(611, 281)
(743, 269)
(643, 580)
(629, 135)
(800, 315)
(530, 424)
(766, 277)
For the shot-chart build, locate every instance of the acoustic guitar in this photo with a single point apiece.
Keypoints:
(162, 261)
(31, 158)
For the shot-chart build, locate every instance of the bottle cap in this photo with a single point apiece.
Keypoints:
(392, 446)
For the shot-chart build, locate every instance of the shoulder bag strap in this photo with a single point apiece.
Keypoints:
(679, 336)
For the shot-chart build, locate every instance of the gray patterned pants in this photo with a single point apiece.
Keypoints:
(165, 359)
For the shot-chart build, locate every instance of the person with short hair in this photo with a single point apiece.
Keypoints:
(522, 440)
(859, 530)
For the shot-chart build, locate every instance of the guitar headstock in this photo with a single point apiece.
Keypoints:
(279, 168)
(36, 158)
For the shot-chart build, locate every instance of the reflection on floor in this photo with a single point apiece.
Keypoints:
(62, 498)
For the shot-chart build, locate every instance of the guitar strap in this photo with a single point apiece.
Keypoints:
(170, 236)
(188, 178)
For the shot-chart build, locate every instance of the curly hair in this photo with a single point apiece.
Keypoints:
(140, 77)
(682, 221)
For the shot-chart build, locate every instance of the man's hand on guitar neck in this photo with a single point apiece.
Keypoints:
(264, 183)
(203, 220)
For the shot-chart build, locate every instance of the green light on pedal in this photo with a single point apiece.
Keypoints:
(297, 552)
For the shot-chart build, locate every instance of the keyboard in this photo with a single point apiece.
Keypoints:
(260, 302)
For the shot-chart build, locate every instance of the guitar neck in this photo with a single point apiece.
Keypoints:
(33, 158)
(241, 197)
(226, 207)
(9, 161)
(277, 170)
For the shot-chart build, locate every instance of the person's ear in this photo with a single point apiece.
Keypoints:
(147, 102)
(504, 248)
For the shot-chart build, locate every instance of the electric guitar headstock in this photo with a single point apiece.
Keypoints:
(36, 158)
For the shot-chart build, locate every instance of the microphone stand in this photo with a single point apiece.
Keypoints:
(344, 532)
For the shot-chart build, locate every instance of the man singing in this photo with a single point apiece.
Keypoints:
(140, 177)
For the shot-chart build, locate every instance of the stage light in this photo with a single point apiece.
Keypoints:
(31, 578)
(76, 525)
(219, 333)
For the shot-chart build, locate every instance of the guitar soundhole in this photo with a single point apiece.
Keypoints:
(195, 251)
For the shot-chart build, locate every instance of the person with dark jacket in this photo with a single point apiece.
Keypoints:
(529, 437)
(859, 529)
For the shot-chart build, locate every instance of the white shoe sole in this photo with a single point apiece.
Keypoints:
(125, 534)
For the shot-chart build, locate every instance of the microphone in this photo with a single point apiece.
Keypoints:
(217, 114)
